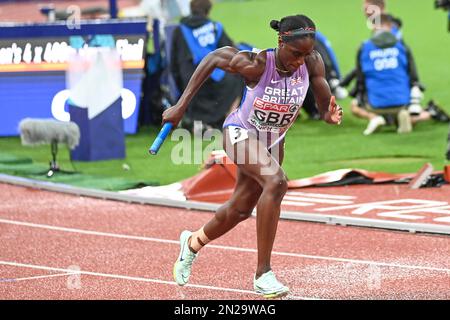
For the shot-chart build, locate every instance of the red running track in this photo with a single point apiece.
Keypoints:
(126, 251)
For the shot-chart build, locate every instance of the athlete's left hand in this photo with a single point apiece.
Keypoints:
(334, 114)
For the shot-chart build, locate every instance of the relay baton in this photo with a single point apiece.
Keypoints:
(162, 135)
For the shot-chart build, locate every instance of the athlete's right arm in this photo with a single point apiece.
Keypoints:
(229, 59)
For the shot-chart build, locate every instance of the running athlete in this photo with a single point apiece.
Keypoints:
(276, 84)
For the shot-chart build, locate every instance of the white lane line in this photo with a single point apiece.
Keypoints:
(397, 204)
(317, 200)
(320, 195)
(94, 233)
(141, 279)
(37, 277)
(296, 204)
(211, 246)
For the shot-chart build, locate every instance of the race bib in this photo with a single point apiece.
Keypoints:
(272, 117)
(237, 134)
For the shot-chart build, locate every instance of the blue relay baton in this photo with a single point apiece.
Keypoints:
(162, 135)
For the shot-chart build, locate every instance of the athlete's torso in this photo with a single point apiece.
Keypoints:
(273, 104)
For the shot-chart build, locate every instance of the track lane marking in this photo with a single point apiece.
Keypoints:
(210, 246)
(12, 280)
(140, 279)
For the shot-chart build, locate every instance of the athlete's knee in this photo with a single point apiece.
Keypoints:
(244, 214)
(277, 186)
(239, 214)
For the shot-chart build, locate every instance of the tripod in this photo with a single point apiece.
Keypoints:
(54, 167)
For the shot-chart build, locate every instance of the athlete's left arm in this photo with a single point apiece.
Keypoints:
(329, 111)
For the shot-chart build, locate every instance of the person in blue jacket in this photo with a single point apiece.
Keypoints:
(383, 77)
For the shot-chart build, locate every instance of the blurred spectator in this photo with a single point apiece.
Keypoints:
(332, 75)
(193, 39)
(432, 111)
(158, 14)
(163, 10)
(382, 75)
(372, 10)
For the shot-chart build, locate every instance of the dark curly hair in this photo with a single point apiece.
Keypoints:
(294, 23)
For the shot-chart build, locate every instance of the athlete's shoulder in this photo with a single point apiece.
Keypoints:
(313, 57)
(314, 62)
(250, 64)
(257, 56)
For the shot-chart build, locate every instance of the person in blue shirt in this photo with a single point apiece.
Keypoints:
(417, 113)
(371, 9)
(383, 79)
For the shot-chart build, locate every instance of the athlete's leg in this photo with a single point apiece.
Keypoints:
(237, 209)
(240, 207)
(259, 177)
(260, 165)
(254, 160)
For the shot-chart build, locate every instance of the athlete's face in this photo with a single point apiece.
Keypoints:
(292, 54)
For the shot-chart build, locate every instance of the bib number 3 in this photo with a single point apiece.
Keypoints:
(237, 134)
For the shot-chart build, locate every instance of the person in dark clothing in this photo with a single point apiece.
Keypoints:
(193, 39)
(396, 25)
(383, 80)
(359, 92)
(332, 75)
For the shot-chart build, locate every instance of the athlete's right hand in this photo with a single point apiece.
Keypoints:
(173, 114)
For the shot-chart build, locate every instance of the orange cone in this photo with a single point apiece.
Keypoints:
(447, 173)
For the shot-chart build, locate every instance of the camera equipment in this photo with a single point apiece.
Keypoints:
(444, 5)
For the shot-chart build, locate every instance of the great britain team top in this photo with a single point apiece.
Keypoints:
(272, 106)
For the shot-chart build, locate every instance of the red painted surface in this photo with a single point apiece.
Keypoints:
(436, 201)
(304, 254)
(214, 184)
(387, 202)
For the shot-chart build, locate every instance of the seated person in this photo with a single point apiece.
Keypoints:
(370, 8)
(397, 32)
(332, 75)
(432, 110)
(383, 79)
(418, 113)
(193, 39)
